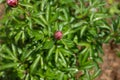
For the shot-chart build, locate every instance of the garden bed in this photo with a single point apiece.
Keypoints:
(110, 66)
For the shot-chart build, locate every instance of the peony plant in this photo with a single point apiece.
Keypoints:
(52, 39)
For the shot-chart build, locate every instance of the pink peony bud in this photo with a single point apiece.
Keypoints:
(12, 3)
(58, 35)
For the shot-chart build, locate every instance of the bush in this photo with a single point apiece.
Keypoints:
(30, 51)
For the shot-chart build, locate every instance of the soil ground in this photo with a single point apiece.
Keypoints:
(2, 10)
(110, 66)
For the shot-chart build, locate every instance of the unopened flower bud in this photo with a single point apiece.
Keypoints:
(58, 35)
(12, 3)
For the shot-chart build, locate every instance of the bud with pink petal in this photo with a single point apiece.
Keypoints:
(58, 35)
(12, 3)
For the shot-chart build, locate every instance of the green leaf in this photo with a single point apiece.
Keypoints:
(6, 56)
(68, 43)
(17, 37)
(87, 65)
(38, 21)
(65, 52)
(97, 73)
(27, 77)
(9, 52)
(86, 44)
(34, 64)
(32, 77)
(105, 26)
(43, 4)
(100, 17)
(29, 21)
(85, 57)
(8, 66)
(54, 17)
(79, 24)
(14, 50)
(83, 30)
(26, 5)
(42, 63)
(66, 14)
(56, 55)
(38, 35)
(48, 44)
(98, 59)
(50, 52)
(23, 37)
(27, 54)
(1, 1)
(64, 63)
(43, 19)
(61, 76)
(48, 11)
(66, 1)
(88, 75)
